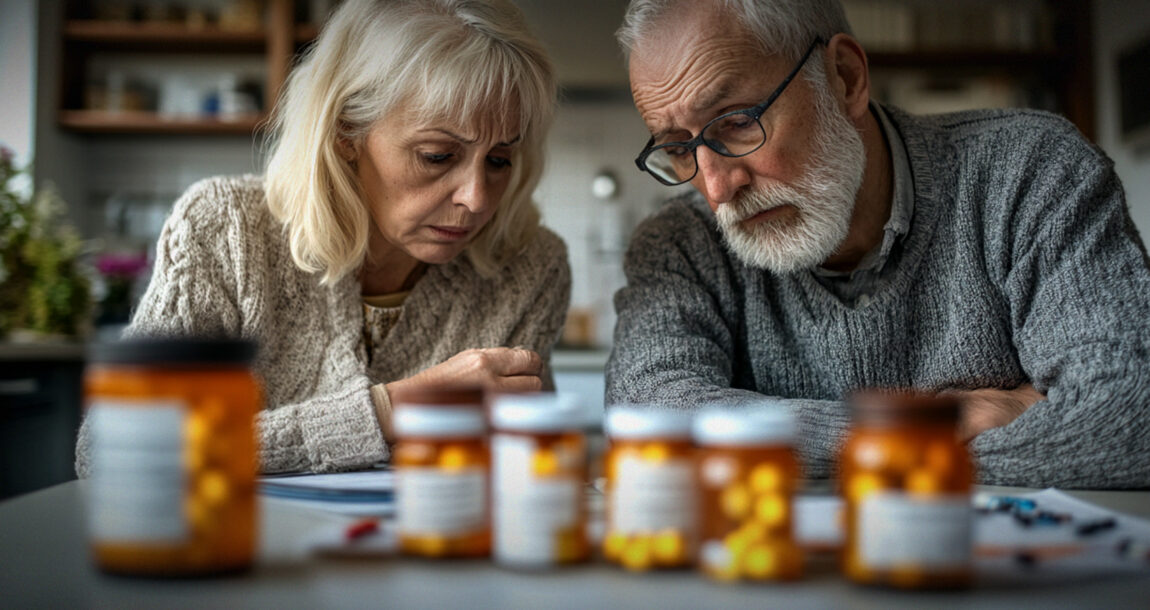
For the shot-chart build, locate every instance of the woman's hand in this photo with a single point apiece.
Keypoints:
(497, 369)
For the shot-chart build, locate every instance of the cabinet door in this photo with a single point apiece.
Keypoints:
(40, 403)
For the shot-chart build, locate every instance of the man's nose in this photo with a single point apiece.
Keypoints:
(719, 177)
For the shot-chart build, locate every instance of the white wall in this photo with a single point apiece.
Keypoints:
(17, 65)
(589, 137)
(1118, 24)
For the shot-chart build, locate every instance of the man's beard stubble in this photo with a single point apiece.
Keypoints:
(824, 196)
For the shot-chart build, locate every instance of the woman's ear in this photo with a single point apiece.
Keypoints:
(347, 149)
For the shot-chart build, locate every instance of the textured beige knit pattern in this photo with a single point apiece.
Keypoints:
(223, 266)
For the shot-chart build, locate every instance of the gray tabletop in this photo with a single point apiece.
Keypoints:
(44, 562)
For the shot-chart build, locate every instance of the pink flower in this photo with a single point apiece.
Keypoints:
(121, 265)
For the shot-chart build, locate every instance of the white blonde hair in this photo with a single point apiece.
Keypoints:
(466, 61)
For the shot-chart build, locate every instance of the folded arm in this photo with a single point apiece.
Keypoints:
(1079, 292)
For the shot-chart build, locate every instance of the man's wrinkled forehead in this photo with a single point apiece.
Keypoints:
(693, 74)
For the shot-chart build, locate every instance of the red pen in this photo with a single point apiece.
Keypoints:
(359, 529)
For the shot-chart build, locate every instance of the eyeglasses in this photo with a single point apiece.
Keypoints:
(734, 134)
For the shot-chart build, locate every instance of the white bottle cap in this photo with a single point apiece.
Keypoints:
(766, 424)
(538, 412)
(647, 422)
(435, 420)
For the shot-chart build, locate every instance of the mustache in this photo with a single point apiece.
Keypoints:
(751, 202)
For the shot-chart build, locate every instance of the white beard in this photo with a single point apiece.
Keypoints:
(824, 196)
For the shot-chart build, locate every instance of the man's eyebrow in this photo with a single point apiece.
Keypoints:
(708, 101)
(702, 104)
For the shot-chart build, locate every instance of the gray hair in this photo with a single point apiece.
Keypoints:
(782, 27)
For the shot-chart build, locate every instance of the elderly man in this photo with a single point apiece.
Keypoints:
(832, 243)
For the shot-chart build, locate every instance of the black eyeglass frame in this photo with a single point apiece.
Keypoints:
(755, 112)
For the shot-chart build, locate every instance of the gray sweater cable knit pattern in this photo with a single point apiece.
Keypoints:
(223, 265)
(1021, 266)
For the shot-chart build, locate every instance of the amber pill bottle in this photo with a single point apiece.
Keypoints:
(748, 476)
(442, 473)
(173, 456)
(652, 514)
(906, 481)
(539, 471)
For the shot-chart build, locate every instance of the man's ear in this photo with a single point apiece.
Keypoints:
(848, 74)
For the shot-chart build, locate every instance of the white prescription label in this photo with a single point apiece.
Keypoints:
(431, 502)
(138, 485)
(529, 511)
(652, 496)
(899, 529)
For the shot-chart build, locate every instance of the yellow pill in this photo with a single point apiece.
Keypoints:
(545, 464)
(613, 545)
(766, 478)
(771, 510)
(427, 546)
(923, 481)
(736, 502)
(196, 430)
(453, 458)
(637, 554)
(862, 485)
(737, 542)
(213, 487)
(761, 561)
(656, 452)
(669, 547)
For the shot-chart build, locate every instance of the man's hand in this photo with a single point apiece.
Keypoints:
(991, 408)
(498, 369)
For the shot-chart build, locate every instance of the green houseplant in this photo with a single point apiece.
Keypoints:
(44, 292)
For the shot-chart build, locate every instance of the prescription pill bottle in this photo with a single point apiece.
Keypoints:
(906, 482)
(539, 459)
(748, 474)
(651, 501)
(173, 455)
(442, 466)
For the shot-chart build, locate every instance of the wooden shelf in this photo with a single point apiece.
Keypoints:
(130, 33)
(97, 121)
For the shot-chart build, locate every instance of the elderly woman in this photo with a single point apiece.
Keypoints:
(392, 242)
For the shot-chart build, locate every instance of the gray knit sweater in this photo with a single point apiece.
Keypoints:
(1021, 266)
(223, 266)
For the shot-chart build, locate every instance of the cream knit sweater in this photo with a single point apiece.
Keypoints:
(223, 265)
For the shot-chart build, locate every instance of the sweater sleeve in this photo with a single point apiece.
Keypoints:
(1079, 295)
(675, 335)
(545, 301)
(203, 283)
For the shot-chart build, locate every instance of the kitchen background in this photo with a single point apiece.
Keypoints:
(123, 104)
